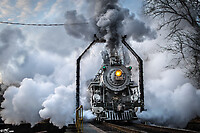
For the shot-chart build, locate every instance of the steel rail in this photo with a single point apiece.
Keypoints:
(122, 129)
(142, 128)
(155, 128)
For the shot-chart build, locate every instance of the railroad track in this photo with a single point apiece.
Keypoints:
(142, 128)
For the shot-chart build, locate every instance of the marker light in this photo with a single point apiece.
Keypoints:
(104, 67)
(118, 73)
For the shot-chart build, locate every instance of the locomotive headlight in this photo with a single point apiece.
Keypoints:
(118, 73)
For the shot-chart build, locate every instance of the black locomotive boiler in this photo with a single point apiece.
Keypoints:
(113, 93)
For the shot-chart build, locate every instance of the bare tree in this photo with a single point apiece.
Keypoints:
(182, 18)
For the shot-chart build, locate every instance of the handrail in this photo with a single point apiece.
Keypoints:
(79, 119)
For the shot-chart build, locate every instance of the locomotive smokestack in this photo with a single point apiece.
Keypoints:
(113, 45)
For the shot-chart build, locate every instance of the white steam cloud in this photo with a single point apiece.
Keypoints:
(45, 69)
(44, 95)
(24, 103)
(60, 106)
(170, 99)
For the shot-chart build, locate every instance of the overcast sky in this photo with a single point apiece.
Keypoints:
(47, 10)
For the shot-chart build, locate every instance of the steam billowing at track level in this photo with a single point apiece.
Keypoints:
(43, 63)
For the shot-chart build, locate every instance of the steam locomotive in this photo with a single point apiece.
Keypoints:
(113, 95)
